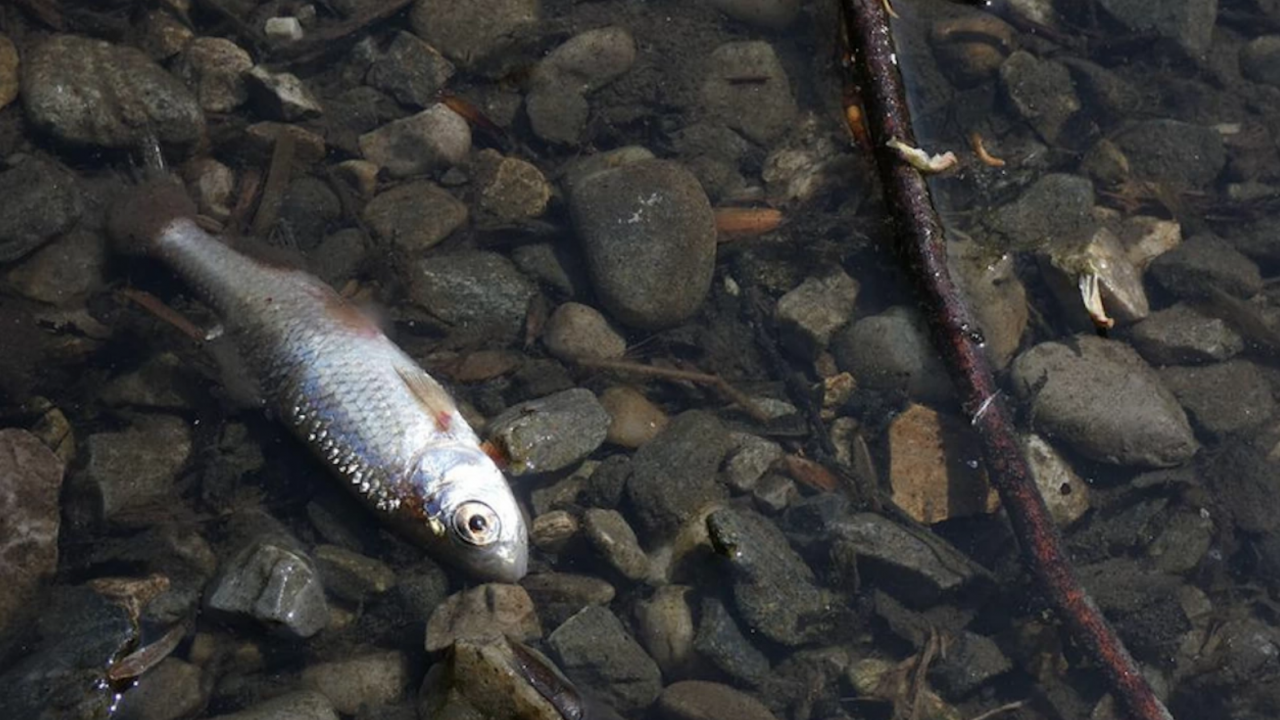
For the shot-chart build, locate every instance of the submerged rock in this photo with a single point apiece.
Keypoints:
(597, 653)
(551, 433)
(31, 481)
(273, 581)
(41, 201)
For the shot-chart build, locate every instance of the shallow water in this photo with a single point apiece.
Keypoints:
(741, 545)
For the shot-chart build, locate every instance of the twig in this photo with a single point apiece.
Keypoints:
(1007, 707)
(730, 393)
(153, 305)
(951, 323)
(277, 180)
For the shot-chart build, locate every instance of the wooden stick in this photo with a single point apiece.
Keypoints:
(923, 243)
(730, 393)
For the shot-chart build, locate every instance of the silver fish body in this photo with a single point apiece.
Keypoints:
(363, 406)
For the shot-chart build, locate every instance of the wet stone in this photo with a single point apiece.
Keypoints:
(577, 331)
(62, 272)
(1141, 604)
(649, 237)
(598, 654)
(1183, 542)
(41, 201)
(474, 32)
(1099, 397)
(773, 589)
(1056, 210)
(970, 662)
(720, 641)
(364, 681)
(31, 476)
(411, 71)
(559, 596)
(1222, 398)
(633, 419)
(1182, 335)
(751, 457)
(415, 216)
(702, 700)
(210, 184)
(307, 209)
(664, 626)
(1205, 263)
(934, 471)
(768, 14)
(589, 60)
(9, 78)
(1042, 93)
(91, 92)
(557, 114)
(477, 293)
(614, 539)
(555, 265)
(1187, 23)
(135, 468)
(808, 315)
(273, 581)
(553, 531)
(350, 575)
(891, 352)
(420, 589)
(339, 257)
(674, 475)
(552, 432)
(488, 679)
(484, 611)
(1175, 153)
(994, 293)
(432, 141)
(299, 705)
(510, 189)
(1259, 60)
(171, 690)
(214, 68)
(164, 35)
(972, 47)
(1064, 492)
(762, 109)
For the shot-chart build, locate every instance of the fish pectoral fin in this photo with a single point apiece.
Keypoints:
(433, 399)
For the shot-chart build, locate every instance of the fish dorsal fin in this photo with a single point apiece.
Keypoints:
(433, 398)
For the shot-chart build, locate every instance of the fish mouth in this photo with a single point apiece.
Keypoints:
(505, 563)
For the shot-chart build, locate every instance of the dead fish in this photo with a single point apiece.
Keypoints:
(364, 407)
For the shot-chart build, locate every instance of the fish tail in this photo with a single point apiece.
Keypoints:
(137, 220)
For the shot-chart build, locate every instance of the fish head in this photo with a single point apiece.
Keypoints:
(474, 520)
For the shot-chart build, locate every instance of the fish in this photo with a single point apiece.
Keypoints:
(323, 368)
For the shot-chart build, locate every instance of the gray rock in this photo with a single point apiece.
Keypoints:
(486, 680)
(273, 581)
(1260, 60)
(340, 257)
(633, 419)
(90, 92)
(768, 14)
(589, 60)
(10, 79)
(472, 32)
(136, 468)
(551, 433)
(751, 457)
(773, 589)
(163, 382)
(41, 200)
(774, 492)
(280, 96)
(1187, 23)
(299, 705)
(351, 576)
(1242, 477)
(649, 237)
(1223, 398)
(721, 642)
(210, 184)
(1183, 542)
(62, 272)
(616, 542)
(476, 292)
(432, 141)
(555, 265)
(364, 681)
(214, 69)
(559, 596)
(1099, 397)
(1142, 605)
(995, 294)
(892, 352)
(702, 700)
(1173, 153)
(412, 71)
(1057, 209)
(674, 475)
(306, 210)
(762, 109)
(509, 189)
(1042, 93)
(808, 315)
(415, 216)
(420, 589)
(919, 569)
(664, 626)
(484, 611)
(557, 114)
(1204, 263)
(971, 661)
(171, 690)
(597, 653)
(31, 476)
(576, 331)
(1182, 335)
(554, 530)
(1104, 92)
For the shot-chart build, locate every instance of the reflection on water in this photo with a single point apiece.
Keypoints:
(640, 244)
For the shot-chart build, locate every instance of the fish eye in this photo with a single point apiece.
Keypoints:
(476, 523)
